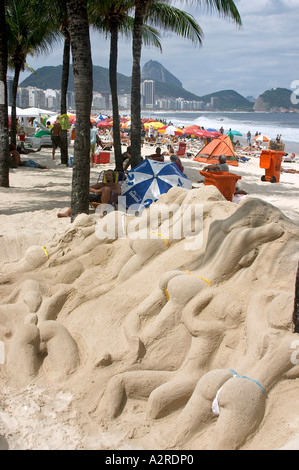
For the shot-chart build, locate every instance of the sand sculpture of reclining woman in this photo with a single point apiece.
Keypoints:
(233, 244)
(238, 397)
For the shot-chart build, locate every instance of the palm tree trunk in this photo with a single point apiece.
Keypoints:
(83, 85)
(113, 88)
(4, 147)
(296, 303)
(140, 9)
(13, 124)
(64, 86)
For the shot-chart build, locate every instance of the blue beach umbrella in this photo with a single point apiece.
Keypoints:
(147, 181)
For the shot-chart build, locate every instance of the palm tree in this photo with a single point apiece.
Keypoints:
(173, 20)
(296, 303)
(109, 16)
(82, 70)
(4, 147)
(27, 35)
(55, 14)
(64, 87)
(112, 17)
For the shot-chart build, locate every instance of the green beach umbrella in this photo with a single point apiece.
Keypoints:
(231, 133)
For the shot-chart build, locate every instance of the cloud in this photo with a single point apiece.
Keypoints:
(262, 54)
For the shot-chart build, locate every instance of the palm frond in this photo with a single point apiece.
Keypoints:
(175, 20)
(225, 8)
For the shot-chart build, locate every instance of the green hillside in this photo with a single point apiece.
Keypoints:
(229, 100)
(50, 77)
(276, 99)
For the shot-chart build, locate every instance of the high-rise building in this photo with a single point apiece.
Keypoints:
(9, 90)
(148, 92)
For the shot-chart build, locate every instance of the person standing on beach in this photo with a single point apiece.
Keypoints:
(248, 137)
(56, 137)
(94, 140)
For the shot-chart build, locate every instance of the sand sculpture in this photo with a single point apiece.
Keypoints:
(200, 337)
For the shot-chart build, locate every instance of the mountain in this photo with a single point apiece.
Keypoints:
(229, 100)
(50, 77)
(252, 99)
(276, 100)
(166, 86)
(153, 70)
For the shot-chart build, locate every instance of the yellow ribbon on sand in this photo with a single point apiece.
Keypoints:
(165, 239)
(46, 253)
(189, 274)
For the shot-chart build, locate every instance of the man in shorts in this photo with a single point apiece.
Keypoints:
(56, 137)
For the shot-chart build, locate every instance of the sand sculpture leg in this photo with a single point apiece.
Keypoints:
(130, 385)
(29, 344)
(23, 356)
(171, 395)
(62, 351)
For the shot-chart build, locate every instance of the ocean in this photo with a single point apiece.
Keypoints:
(270, 124)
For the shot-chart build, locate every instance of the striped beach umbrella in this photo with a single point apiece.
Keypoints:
(148, 180)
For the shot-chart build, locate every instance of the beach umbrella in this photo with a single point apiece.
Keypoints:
(72, 118)
(105, 124)
(262, 138)
(170, 130)
(153, 124)
(203, 133)
(126, 125)
(215, 133)
(189, 130)
(148, 180)
(232, 133)
(101, 117)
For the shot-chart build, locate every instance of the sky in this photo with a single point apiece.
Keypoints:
(261, 54)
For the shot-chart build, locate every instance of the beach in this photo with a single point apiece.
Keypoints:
(83, 315)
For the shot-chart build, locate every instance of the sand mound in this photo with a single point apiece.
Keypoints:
(172, 330)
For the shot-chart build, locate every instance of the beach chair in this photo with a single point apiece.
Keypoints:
(181, 150)
(120, 177)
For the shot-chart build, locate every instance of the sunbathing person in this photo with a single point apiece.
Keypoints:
(100, 193)
(16, 159)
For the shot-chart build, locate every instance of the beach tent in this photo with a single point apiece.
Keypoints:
(220, 146)
(35, 112)
(18, 111)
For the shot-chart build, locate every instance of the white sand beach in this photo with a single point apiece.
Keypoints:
(119, 343)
